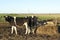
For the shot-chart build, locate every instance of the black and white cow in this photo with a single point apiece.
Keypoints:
(32, 23)
(16, 21)
(29, 22)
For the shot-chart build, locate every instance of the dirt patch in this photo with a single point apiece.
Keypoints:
(5, 34)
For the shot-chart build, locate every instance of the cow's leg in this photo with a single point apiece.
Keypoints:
(14, 28)
(27, 29)
(33, 31)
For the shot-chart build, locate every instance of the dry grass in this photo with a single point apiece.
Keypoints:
(48, 30)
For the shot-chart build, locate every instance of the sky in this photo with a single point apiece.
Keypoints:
(29, 6)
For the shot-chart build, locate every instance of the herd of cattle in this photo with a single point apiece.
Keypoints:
(31, 23)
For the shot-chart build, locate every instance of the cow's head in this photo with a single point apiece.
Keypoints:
(42, 22)
(8, 18)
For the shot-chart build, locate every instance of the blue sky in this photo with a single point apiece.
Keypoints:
(29, 6)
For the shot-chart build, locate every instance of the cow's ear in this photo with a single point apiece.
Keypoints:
(4, 16)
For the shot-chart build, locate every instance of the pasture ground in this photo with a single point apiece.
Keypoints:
(43, 32)
(5, 34)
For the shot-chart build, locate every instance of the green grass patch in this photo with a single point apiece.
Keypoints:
(40, 16)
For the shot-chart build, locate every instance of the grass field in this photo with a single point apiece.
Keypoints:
(40, 16)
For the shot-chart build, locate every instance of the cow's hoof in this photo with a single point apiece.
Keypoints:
(16, 34)
(11, 32)
(25, 33)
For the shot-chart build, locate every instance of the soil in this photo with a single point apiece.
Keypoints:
(5, 34)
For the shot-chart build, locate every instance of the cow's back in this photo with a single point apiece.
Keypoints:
(21, 20)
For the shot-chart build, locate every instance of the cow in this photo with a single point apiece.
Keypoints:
(29, 22)
(16, 21)
(32, 23)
